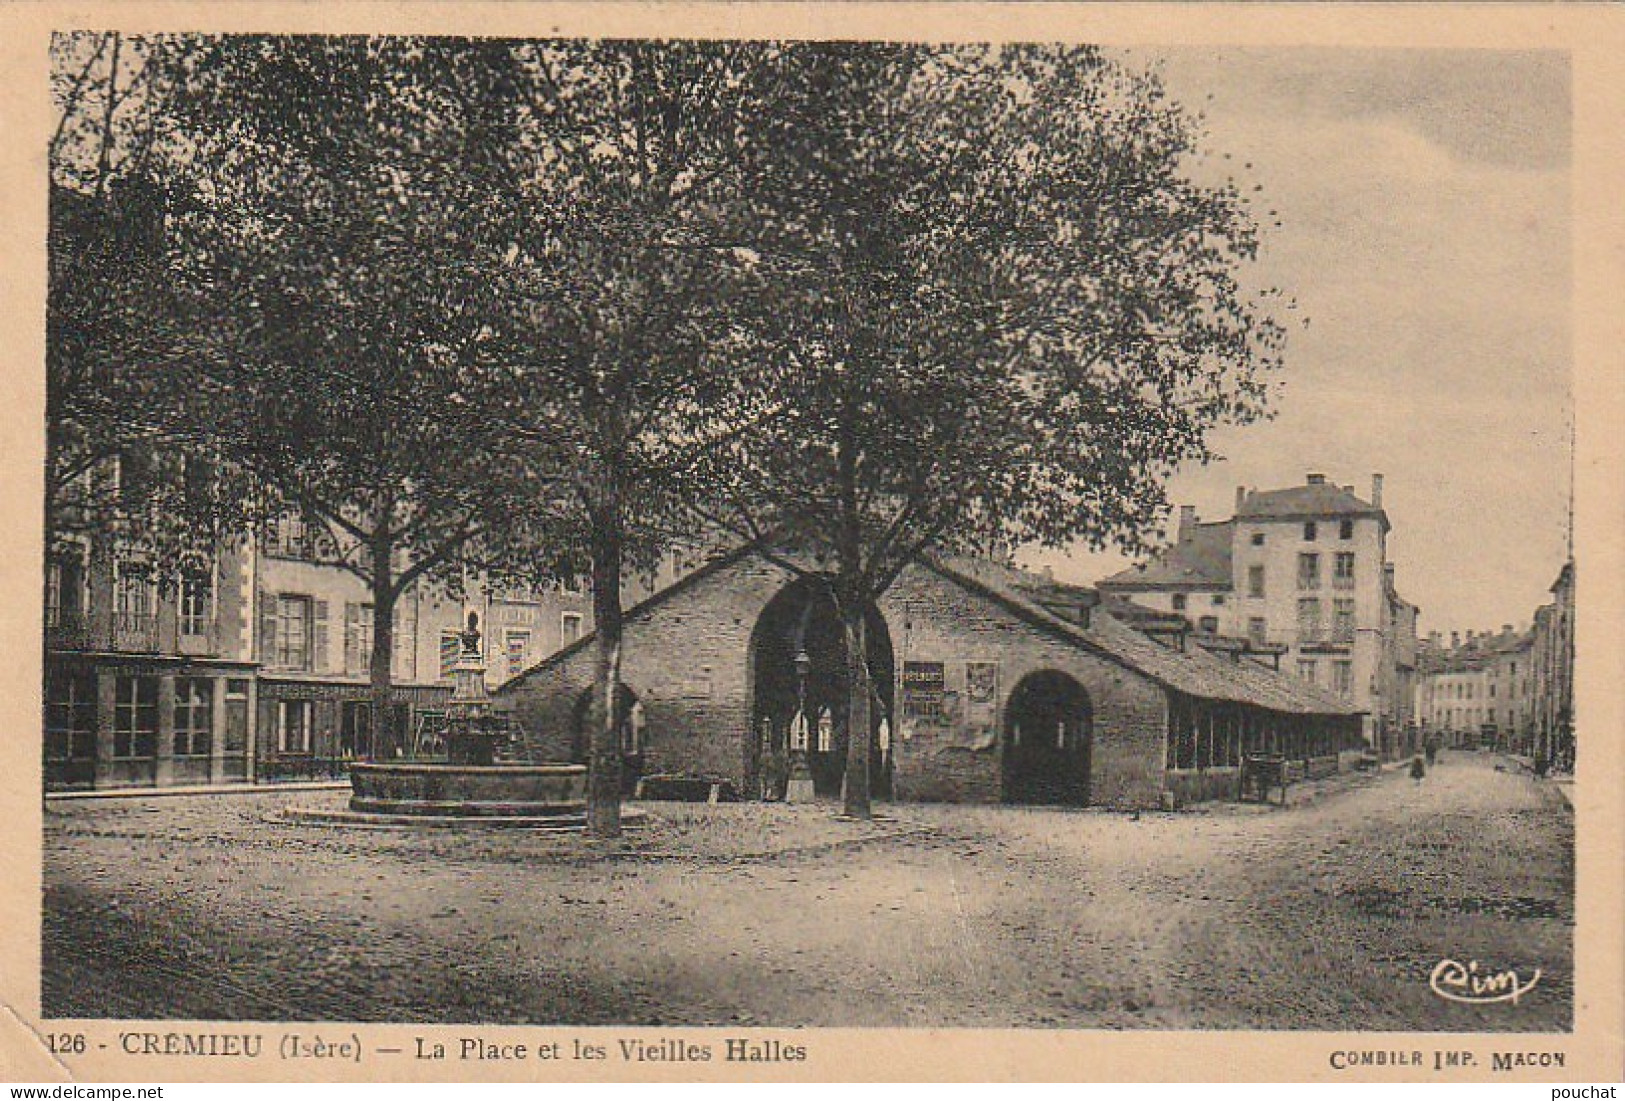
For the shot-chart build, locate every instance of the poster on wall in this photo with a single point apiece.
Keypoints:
(982, 702)
(925, 685)
(982, 682)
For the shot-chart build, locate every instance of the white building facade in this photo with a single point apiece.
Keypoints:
(1305, 568)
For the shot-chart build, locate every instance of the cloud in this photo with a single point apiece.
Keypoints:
(1509, 108)
(1424, 229)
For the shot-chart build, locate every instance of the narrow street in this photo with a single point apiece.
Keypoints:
(1328, 914)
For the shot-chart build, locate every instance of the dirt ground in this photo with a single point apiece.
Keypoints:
(1330, 913)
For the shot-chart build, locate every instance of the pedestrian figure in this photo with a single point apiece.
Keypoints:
(1432, 751)
(1418, 770)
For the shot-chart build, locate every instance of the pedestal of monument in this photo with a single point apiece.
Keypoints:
(800, 787)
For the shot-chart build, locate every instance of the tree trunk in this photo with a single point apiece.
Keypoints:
(855, 788)
(381, 662)
(604, 716)
(852, 598)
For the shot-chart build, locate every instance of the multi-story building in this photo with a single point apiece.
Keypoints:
(1510, 682)
(314, 645)
(316, 636)
(524, 624)
(1479, 690)
(149, 666)
(255, 664)
(1304, 569)
(1450, 693)
(1552, 655)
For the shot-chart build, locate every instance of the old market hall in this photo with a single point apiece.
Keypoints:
(991, 684)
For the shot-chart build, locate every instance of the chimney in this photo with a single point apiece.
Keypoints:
(1506, 628)
(1349, 490)
(1241, 497)
(1376, 491)
(1455, 639)
(1187, 522)
(1317, 479)
(1049, 572)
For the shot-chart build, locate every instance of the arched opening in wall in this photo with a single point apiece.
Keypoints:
(798, 667)
(1048, 735)
(633, 735)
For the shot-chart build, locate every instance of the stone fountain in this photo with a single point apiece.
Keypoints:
(471, 782)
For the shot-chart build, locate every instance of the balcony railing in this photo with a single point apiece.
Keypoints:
(132, 632)
(67, 630)
(136, 631)
(198, 637)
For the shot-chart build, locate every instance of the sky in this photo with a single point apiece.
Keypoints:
(1423, 198)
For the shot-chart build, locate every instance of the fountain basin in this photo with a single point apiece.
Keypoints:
(433, 789)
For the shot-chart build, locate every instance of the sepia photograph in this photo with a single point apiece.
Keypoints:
(763, 533)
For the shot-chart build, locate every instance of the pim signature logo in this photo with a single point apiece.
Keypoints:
(1465, 982)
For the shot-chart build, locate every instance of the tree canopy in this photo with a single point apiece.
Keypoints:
(329, 214)
(126, 456)
(623, 278)
(550, 304)
(1010, 312)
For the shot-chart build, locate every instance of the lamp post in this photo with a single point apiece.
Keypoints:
(800, 786)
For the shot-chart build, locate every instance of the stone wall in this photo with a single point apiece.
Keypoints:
(687, 657)
(934, 619)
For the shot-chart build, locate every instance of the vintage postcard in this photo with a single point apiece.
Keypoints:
(812, 542)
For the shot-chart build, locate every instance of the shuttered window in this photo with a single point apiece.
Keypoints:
(1343, 621)
(293, 632)
(405, 640)
(1309, 620)
(451, 651)
(357, 639)
(1308, 571)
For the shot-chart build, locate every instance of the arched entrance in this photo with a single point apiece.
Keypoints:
(798, 665)
(632, 735)
(1047, 740)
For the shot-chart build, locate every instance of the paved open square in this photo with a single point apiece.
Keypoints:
(1330, 913)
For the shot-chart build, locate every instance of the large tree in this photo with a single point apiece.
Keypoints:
(330, 200)
(460, 291)
(117, 384)
(623, 275)
(1010, 312)
(451, 293)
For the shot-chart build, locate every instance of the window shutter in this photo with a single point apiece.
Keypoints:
(318, 632)
(352, 639)
(397, 640)
(406, 624)
(409, 638)
(267, 627)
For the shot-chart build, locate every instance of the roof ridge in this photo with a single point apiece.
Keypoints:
(1145, 654)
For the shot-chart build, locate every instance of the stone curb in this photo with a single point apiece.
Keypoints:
(196, 789)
